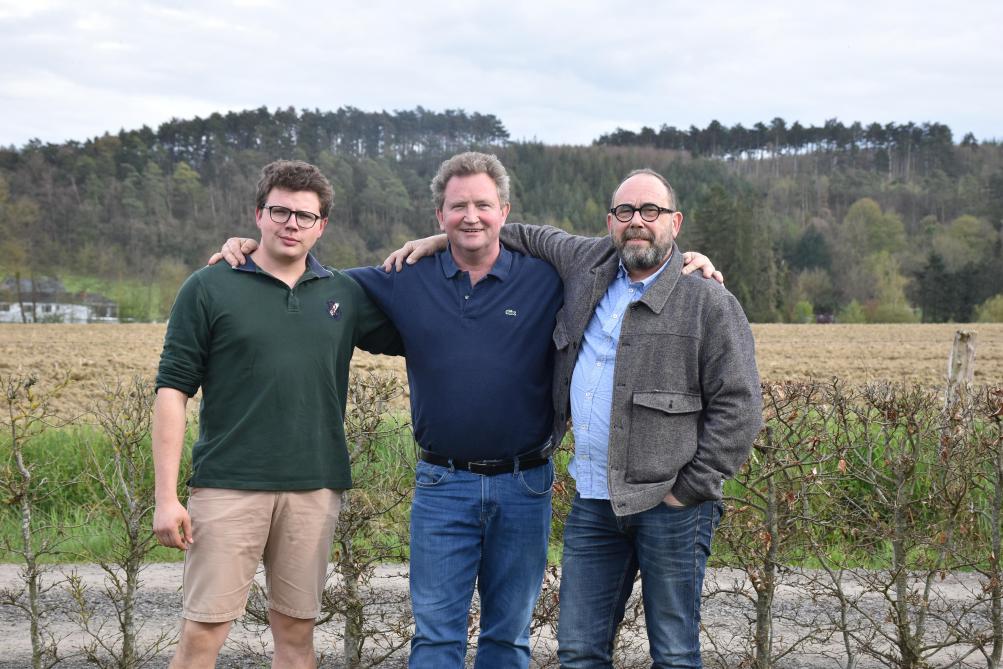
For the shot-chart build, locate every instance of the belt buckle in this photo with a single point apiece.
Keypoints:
(472, 464)
(486, 465)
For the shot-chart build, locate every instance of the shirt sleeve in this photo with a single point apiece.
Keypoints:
(376, 331)
(186, 344)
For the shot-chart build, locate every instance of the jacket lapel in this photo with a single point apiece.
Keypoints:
(602, 276)
(658, 293)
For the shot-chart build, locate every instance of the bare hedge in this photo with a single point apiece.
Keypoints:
(864, 500)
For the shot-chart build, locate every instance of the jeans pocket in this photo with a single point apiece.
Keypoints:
(719, 510)
(427, 475)
(538, 481)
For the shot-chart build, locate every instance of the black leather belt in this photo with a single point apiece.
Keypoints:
(488, 467)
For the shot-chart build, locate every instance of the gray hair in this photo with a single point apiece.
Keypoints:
(466, 164)
(652, 173)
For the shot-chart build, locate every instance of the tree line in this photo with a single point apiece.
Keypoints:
(854, 222)
(927, 146)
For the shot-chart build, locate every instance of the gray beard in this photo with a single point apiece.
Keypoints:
(640, 258)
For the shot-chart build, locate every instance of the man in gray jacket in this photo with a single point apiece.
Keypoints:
(657, 372)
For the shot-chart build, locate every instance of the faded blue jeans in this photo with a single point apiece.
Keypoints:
(490, 530)
(602, 556)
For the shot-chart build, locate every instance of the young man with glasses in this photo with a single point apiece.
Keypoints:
(657, 372)
(269, 344)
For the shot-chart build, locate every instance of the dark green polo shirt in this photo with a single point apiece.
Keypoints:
(272, 362)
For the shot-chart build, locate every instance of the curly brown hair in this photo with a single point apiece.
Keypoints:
(294, 175)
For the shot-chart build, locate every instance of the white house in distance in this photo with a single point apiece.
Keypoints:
(45, 300)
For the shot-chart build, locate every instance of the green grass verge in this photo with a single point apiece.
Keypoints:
(76, 516)
(71, 513)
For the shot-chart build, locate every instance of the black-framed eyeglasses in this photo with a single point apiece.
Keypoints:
(649, 212)
(280, 214)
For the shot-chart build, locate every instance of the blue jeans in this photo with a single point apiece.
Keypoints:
(490, 530)
(602, 555)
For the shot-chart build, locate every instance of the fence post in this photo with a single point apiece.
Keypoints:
(960, 366)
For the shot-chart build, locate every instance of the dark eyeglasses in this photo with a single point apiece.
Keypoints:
(649, 212)
(304, 219)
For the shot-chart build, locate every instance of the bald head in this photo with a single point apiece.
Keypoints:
(670, 194)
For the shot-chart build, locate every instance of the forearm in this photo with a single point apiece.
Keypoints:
(715, 461)
(168, 437)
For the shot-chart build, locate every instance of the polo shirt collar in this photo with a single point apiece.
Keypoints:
(313, 265)
(313, 268)
(500, 270)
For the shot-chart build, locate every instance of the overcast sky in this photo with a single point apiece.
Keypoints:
(560, 72)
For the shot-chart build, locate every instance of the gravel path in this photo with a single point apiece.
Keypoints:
(726, 616)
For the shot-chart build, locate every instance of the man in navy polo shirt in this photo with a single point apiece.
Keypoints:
(476, 322)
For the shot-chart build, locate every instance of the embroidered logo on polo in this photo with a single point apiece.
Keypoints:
(510, 312)
(334, 310)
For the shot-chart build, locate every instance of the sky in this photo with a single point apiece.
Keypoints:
(560, 72)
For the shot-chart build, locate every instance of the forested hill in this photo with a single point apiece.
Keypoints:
(875, 222)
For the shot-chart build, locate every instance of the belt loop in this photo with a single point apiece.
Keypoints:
(515, 469)
(452, 467)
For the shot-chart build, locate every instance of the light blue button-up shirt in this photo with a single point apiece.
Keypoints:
(592, 384)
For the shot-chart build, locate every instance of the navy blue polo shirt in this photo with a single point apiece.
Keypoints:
(479, 358)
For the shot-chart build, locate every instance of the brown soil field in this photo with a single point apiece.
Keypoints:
(863, 353)
(95, 355)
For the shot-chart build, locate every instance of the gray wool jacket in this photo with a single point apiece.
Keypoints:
(687, 404)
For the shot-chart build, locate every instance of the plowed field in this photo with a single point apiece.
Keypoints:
(94, 355)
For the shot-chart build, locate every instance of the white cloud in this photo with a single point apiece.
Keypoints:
(562, 72)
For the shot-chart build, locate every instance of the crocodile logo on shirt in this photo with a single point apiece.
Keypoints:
(334, 310)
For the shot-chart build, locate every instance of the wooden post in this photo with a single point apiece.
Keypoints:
(960, 366)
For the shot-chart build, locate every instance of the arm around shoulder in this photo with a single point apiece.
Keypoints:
(564, 251)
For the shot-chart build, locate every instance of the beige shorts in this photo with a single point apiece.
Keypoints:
(234, 530)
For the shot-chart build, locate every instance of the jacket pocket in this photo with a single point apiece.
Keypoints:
(663, 434)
